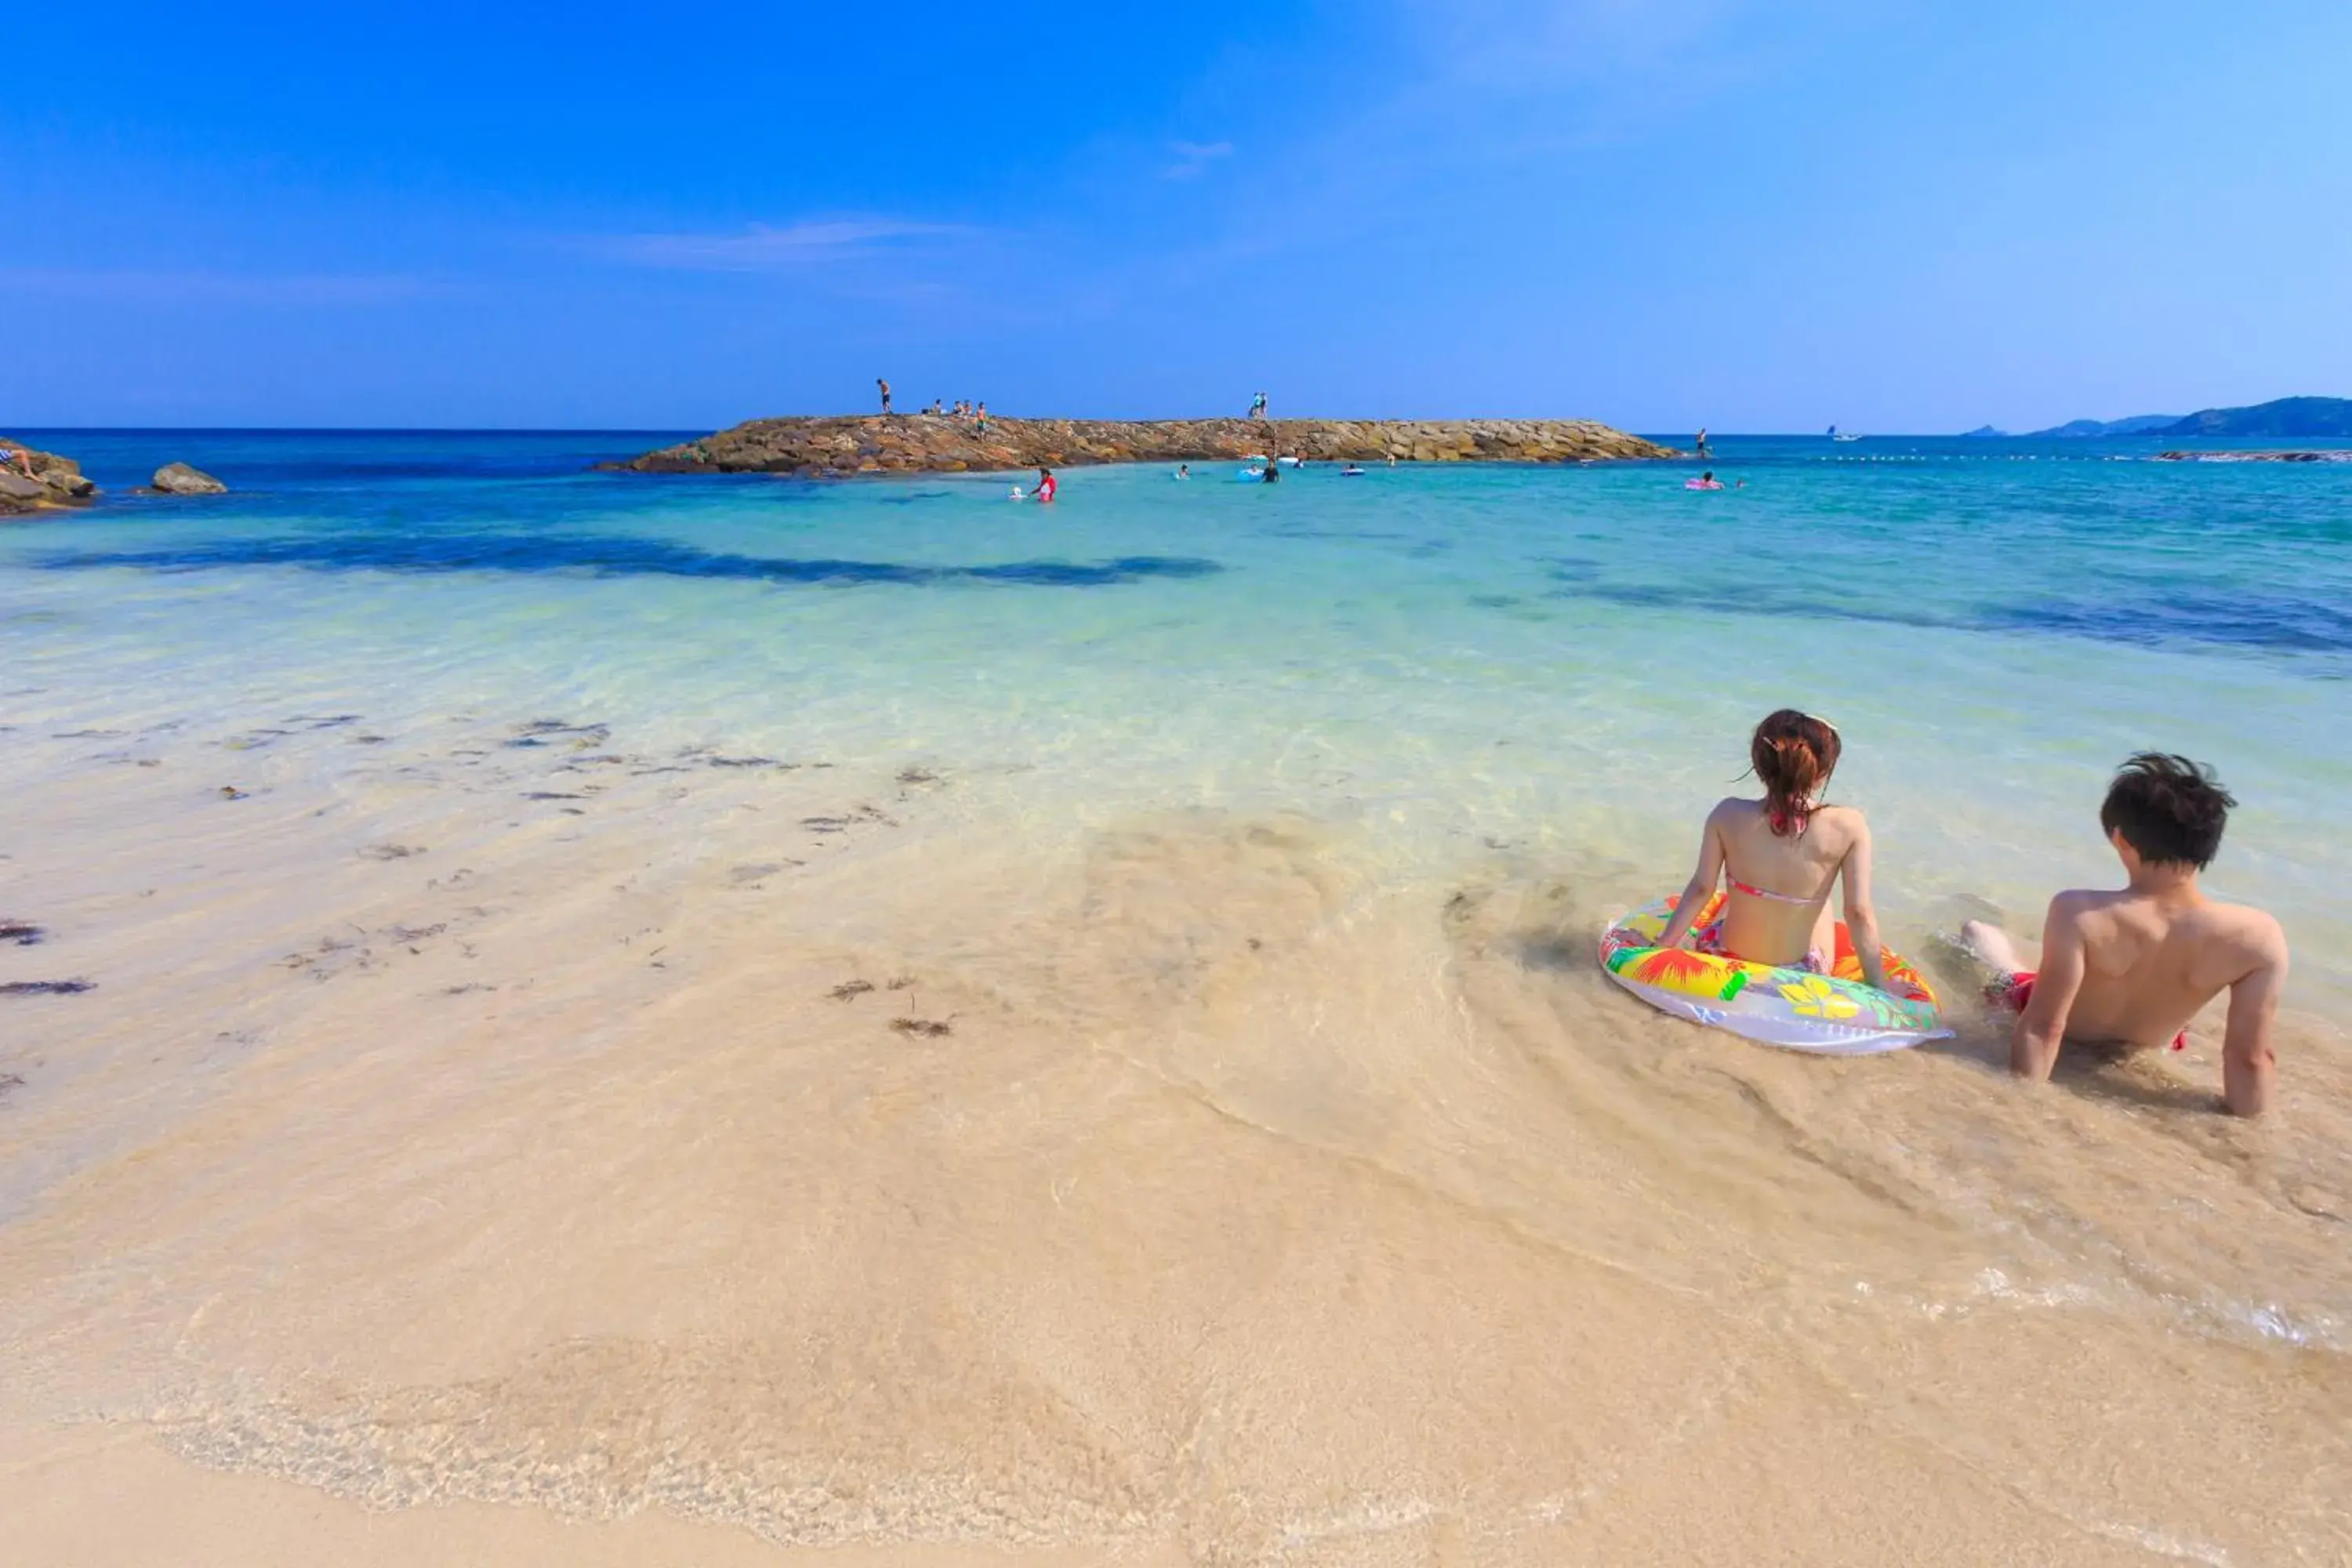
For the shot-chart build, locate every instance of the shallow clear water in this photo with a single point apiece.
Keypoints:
(1457, 660)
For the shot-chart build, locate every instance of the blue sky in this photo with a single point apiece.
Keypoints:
(1899, 217)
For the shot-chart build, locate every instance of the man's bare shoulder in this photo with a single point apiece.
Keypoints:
(2253, 931)
(2076, 906)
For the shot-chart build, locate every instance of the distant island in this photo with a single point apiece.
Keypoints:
(933, 443)
(2290, 417)
(2137, 424)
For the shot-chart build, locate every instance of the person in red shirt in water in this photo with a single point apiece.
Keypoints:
(1045, 485)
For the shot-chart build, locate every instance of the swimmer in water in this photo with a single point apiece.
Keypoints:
(1706, 481)
(1046, 484)
(1184, 470)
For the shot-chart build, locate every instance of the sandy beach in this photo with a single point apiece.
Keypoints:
(561, 1017)
(493, 1142)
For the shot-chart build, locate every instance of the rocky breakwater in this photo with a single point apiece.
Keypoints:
(929, 443)
(30, 481)
(2342, 455)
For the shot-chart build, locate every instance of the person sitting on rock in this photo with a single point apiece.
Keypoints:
(22, 456)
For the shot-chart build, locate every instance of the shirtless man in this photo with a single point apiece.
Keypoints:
(2130, 968)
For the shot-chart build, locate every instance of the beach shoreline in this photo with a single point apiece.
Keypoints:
(793, 1022)
(498, 1113)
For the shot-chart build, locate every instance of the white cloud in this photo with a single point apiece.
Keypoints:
(1192, 158)
(762, 248)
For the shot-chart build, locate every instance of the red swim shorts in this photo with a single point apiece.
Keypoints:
(2015, 990)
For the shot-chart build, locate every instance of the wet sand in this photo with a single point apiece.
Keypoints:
(484, 1141)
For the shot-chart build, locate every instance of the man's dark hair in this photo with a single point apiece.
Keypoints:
(2168, 808)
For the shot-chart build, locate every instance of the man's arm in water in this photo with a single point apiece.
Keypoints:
(2042, 1027)
(2247, 1059)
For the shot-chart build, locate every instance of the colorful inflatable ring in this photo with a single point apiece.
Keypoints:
(1837, 1013)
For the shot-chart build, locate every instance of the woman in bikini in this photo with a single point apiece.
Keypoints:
(1779, 858)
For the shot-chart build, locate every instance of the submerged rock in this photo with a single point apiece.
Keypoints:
(179, 479)
(933, 443)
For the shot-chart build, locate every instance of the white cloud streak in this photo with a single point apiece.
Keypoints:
(762, 248)
(1193, 158)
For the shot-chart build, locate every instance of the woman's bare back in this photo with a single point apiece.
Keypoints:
(1795, 874)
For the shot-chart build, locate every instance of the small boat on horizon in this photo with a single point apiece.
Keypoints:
(1835, 435)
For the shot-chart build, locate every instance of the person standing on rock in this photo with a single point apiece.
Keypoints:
(886, 393)
(1702, 443)
(979, 420)
(1257, 407)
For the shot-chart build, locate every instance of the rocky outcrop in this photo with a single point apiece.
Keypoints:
(930, 443)
(54, 481)
(2341, 456)
(179, 479)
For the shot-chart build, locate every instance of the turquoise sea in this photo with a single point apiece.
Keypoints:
(1555, 665)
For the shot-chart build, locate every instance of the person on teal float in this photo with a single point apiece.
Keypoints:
(1779, 858)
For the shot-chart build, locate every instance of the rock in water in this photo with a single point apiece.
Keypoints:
(902, 443)
(179, 479)
(54, 480)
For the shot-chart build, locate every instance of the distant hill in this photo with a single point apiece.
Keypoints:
(2292, 416)
(2137, 424)
(1986, 432)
